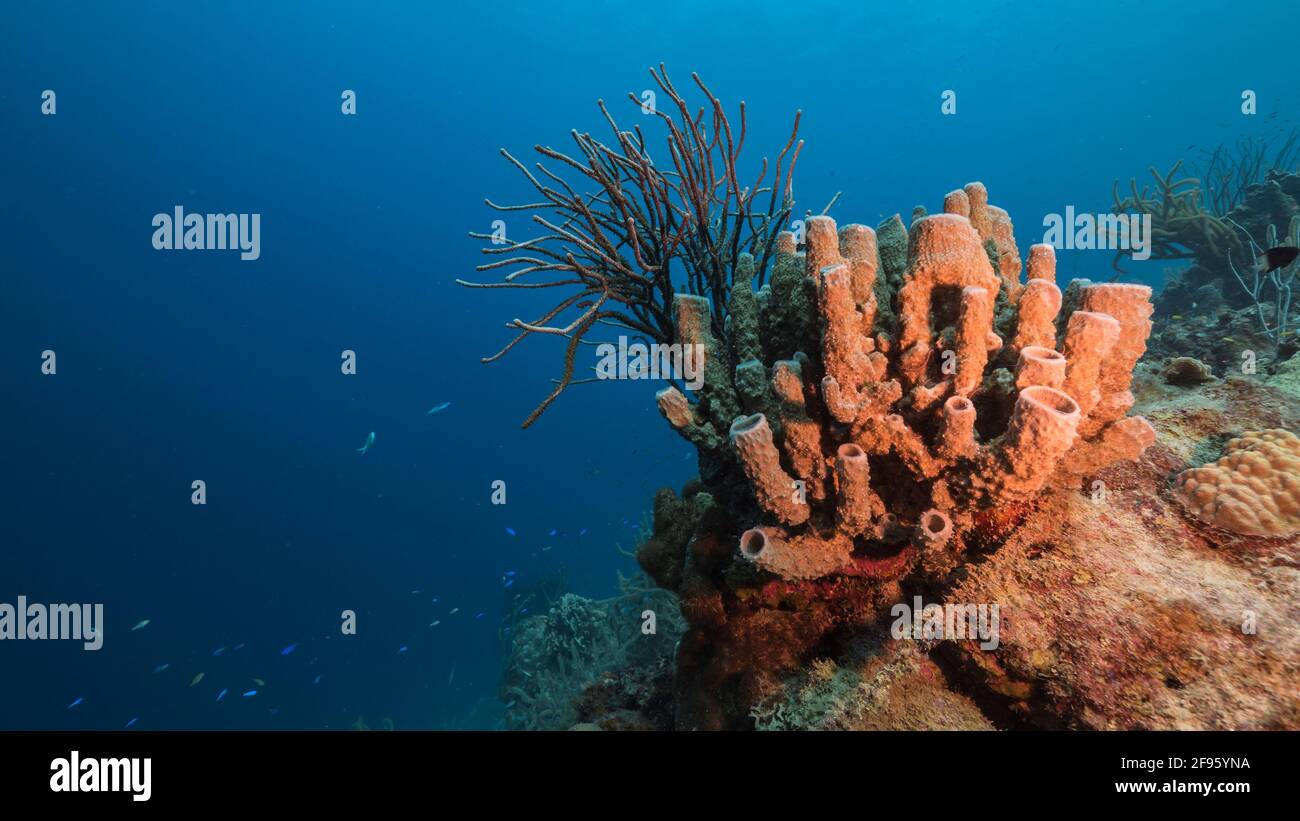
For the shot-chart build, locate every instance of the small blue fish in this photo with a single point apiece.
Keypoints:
(75, 703)
(553, 532)
(582, 532)
(286, 651)
(511, 531)
(131, 722)
(161, 668)
(438, 408)
(274, 711)
(510, 573)
(316, 680)
(370, 440)
(239, 646)
(249, 693)
(478, 615)
(401, 649)
(219, 651)
(222, 694)
(509, 582)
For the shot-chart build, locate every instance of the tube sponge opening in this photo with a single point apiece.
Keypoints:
(934, 528)
(753, 542)
(1040, 366)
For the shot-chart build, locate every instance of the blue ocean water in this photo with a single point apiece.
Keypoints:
(175, 366)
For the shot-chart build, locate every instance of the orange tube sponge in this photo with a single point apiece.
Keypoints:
(857, 503)
(956, 202)
(795, 557)
(774, 489)
(1040, 302)
(934, 529)
(1040, 366)
(1043, 427)
(974, 327)
(801, 440)
(858, 248)
(943, 250)
(1004, 242)
(843, 357)
(858, 417)
(1131, 306)
(677, 409)
(977, 198)
(823, 245)
(957, 437)
(1089, 337)
(1042, 262)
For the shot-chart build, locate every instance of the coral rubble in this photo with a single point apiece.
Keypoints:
(897, 410)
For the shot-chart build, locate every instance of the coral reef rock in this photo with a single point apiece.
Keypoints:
(1253, 490)
(1186, 371)
(579, 643)
(1119, 612)
(896, 686)
(896, 410)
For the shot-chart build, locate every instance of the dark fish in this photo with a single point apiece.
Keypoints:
(1279, 257)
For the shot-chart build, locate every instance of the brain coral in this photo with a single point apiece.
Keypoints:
(1254, 489)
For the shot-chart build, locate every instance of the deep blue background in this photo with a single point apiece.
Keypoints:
(175, 366)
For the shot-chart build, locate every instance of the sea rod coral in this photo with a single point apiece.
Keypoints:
(905, 401)
(625, 233)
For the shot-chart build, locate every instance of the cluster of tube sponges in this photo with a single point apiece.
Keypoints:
(890, 345)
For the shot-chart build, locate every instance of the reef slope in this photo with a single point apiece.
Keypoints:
(1126, 612)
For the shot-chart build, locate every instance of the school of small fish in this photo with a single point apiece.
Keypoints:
(230, 654)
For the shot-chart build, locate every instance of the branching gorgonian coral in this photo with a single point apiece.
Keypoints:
(624, 228)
